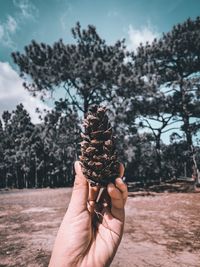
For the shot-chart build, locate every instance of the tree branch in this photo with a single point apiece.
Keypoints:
(73, 99)
(172, 122)
(150, 127)
(175, 128)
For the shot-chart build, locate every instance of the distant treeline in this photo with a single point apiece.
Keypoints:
(43, 155)
(37, 155)
(149, 92)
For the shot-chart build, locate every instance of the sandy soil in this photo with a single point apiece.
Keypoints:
(160, 230)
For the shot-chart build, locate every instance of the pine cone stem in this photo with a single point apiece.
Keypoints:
(99, 194)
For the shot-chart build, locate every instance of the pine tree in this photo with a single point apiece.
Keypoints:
(172, 63)
(2, 165)
(88, 70)
(60, 136)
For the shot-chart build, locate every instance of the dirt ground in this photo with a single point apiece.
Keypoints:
(160, 230)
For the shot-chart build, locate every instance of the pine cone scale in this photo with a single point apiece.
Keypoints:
(98, 156)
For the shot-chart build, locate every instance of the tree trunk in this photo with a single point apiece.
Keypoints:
(186, 129)
(196, 172)
(86, 106)
(158, 156)
(36, 173)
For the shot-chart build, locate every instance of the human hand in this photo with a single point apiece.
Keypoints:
(90, 232)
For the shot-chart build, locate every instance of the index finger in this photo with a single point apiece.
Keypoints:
(117, 202)
(121, 170)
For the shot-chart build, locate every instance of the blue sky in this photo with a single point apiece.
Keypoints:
(49, 20)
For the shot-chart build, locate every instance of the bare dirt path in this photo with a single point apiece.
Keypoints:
(160, 230)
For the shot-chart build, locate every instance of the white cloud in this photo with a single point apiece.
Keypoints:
(64, 18)
(11, 24)
(63, 21)
(7, 29)
(142, 35)
(12, 93)
(27, 9)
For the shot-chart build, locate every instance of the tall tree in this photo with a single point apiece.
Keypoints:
(60, 136)
(8, 150)
(2, 173)
(88, 70)
(20, 131)
(173, 62)
(38, 155)
(157, 121)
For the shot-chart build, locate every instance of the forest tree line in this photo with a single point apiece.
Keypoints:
(149, 92)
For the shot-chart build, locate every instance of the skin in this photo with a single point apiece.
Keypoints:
(90, 233)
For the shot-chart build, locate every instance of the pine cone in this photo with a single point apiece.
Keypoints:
(98, 156)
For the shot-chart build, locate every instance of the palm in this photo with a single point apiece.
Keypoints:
(98, 243)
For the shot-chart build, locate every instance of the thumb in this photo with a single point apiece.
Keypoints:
(79, 196)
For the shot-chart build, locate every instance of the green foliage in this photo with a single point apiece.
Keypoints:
(87, 70)
(38, 155)
(173, 62)
(152, 89)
